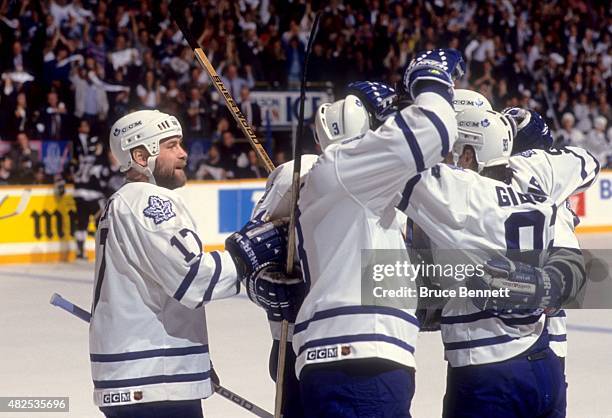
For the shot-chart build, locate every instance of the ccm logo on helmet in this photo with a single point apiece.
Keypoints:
(118, 131)
(476, 103)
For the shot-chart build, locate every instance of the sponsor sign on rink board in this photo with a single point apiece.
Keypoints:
(44, 231)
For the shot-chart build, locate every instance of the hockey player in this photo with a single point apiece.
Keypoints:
(91, 174)
(499, 364)
(148, 339)
(355, 360)
(275, 205)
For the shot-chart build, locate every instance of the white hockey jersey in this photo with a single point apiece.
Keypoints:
(147, 338)
(275, 204)
(346, 205)
(462, 210)
(557, 174)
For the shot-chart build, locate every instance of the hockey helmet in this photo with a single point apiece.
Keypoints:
(488, 132)
(466, 99)
(142, 128)
(344, 119)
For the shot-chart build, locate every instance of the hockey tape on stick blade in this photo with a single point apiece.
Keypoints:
(59, 301)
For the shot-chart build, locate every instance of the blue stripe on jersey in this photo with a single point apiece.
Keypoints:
(151, 380)
(417, 154)
(437, 122)
(483, 342)
(158, 352)
(408, 189)
(347, 339)
(597, 168)
(558, 337)
(215, 277)
(193, 270)
(300, 247)
(477, 316)
(583, 172)
(356, 310)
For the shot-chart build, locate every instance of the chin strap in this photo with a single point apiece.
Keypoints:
(148, 170)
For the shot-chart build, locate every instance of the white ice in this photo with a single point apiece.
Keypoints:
(44, 350)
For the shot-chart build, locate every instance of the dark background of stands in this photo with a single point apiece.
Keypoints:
(67, 61)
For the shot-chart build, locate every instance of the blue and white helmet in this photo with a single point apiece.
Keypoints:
(532, 132)
(489, 133)
(344, 119)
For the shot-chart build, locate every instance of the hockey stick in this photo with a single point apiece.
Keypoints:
(60, 302)
(177, 8)
(23, 203)
(295, 191)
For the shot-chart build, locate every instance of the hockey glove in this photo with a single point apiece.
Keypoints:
(531, 131)
(378, 98)
(280, 295)
(434, 70)
(256, 244)
(523, 287)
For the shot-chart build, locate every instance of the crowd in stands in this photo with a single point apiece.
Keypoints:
(64, 61)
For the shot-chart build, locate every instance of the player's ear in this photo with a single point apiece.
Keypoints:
(140, 156)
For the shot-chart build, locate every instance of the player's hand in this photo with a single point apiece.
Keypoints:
(439, 66)
(256, 244)
(522, 287)
(378, 98)
(280, 295)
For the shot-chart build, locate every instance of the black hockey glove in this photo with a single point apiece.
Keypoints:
(522, 287)
(257, 244)
(280, 295)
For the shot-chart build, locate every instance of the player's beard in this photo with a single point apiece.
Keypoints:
(169, 176)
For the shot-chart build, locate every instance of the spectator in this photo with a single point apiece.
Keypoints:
(6, 170)
(211, 167)
(234, 82)
(25, 158)
(54, 120)
(150, 92)
(253, 170)
(230, 153)
(598, 143)
(568, 135)
(197, 115)
(250, 109)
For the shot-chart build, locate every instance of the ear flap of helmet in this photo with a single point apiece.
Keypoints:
(488, 132)
(340, 120)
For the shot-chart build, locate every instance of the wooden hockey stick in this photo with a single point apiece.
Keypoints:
(60, 302)
(177, 8)
(295, 192)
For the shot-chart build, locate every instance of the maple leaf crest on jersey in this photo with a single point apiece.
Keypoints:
(159, 210)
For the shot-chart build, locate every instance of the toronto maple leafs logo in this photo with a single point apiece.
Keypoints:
(485, 123)
(159, 210)
(479, 102)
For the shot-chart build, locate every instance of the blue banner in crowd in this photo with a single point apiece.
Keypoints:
(55, 156)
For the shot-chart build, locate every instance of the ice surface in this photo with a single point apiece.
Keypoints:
(44, 350)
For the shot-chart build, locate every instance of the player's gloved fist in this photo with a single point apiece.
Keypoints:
(378, 98)
(256, 244)
(434, 70)
(530, 130)
(280, 295)
(521, 287)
